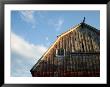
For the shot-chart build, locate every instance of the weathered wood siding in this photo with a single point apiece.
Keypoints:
(82, 55)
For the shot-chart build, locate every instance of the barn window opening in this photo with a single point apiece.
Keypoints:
(83, 46)
(60, 52)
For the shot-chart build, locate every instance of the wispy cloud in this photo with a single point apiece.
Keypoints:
(28, 16)
(57, 24)
(23, 55)
(47, 38)
(24, 48)
(47, 41)
(20, 66)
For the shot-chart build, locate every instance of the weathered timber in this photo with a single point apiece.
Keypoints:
(81, 48)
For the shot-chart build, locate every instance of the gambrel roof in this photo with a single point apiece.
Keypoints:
(62, 35)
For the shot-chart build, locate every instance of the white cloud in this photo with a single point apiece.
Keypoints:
(20, 66)
(23, 56)
(28, 16)
(47, 42)
(24, 48)
(57, 24)
(47, 38)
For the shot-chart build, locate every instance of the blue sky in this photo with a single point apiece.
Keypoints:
(32, 33)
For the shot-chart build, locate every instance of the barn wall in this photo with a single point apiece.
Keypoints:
(80, 40)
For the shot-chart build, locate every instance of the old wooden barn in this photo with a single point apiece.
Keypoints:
(75, 53)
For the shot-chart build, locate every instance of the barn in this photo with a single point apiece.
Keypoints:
(75, 53)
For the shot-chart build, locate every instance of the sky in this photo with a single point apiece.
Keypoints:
(33, 32)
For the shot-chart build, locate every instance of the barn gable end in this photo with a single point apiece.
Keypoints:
(79, 46)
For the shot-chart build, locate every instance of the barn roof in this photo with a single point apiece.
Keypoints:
(63, 34)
